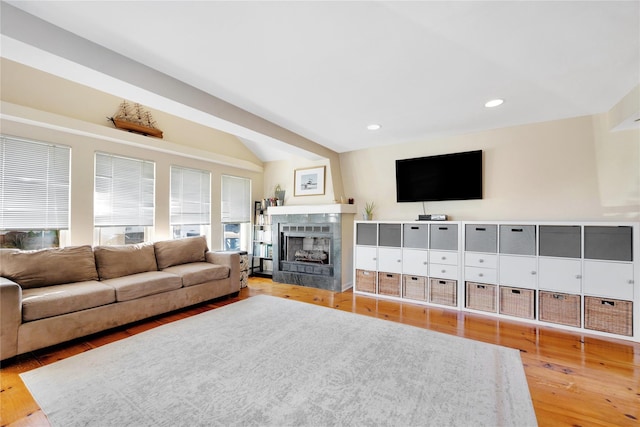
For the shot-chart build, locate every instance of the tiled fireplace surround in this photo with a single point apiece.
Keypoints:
(332, 226)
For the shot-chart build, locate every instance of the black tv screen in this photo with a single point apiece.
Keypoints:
(456, 176)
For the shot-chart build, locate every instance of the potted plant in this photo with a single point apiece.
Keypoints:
(368, 211)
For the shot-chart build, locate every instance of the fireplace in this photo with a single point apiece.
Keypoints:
(313, 245)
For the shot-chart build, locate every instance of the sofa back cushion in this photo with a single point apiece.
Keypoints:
(180, 251)
(47, 267)
(124, 260)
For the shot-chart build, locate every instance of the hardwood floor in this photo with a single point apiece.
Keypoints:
(574, 379)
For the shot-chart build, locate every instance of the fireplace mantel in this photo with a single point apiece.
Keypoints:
(311, 209)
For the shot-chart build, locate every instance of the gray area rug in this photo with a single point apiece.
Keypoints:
(268, 361)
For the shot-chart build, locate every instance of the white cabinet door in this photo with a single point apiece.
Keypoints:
(560, 274)
(608, 279)
(366, 258)
(390, 260)
(518, 271)
(415, 262)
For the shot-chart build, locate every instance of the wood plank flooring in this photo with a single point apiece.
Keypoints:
(574, 379)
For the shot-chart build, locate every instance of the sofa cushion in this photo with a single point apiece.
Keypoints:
(46, 267)
(143, 284)
(199, 272)
(124, 260)
(180, 251)
(49, 301)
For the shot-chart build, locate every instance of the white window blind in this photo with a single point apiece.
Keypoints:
(34, 185)
(124, 191)
(190, 196)
(236, 199)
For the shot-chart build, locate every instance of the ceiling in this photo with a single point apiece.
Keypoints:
(326, 70)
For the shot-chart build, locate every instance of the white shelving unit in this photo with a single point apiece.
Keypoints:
(262, 260)
(581, 276)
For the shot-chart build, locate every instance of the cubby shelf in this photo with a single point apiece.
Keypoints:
(580, 276)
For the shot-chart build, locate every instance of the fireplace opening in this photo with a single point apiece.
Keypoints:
(306, 249)
(309, 249)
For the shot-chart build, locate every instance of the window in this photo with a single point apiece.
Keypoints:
(123, 200)
(34, 193)
(190, 202)
(236, 212)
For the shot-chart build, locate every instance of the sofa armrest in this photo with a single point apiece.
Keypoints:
(231, 260)
(10, 317)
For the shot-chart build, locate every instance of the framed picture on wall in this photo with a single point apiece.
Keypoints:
(309, 181)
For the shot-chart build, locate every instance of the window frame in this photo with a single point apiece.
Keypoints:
(31, 172)
(122, 223)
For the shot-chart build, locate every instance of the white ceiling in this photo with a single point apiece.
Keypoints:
(325, 70)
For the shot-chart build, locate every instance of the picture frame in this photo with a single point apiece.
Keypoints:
(309, 181)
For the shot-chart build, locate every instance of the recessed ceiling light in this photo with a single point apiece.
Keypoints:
(494, 103)
(374, 126)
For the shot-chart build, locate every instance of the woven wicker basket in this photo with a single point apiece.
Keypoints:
(517, 302)
(414, 287)
(480, 296)
(389, 284)
(560, 308)
(443, 292)
(608, 315)
(366, 281)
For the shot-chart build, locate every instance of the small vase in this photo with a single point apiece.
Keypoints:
(367, 217)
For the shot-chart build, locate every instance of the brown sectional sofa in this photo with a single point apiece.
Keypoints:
(55, 295)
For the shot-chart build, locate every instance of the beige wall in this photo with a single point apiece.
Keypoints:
(282, 172)
(617, 169)
(572, 169)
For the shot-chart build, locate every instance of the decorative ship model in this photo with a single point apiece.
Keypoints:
(135, 119)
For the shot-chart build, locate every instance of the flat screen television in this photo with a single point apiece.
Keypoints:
(456, 176)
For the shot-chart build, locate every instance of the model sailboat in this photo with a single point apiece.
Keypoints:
(135, 119)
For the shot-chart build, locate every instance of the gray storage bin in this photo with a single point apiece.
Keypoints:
(416, 236)
(560, 241)
(608, 243)
(481, 238)
(390, 235)
(367, 234)
(518, 239)
(443, 236)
